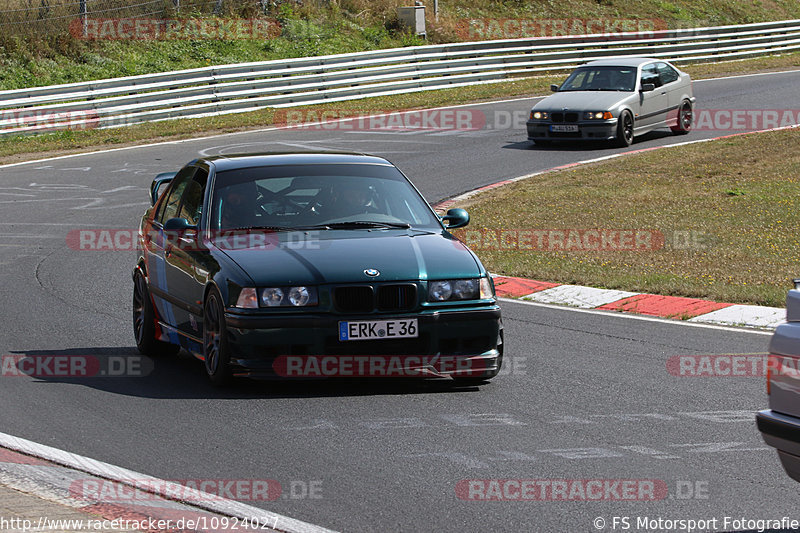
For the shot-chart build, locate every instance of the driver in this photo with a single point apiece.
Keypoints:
(238, 206)
(350, 198)
(601, 80)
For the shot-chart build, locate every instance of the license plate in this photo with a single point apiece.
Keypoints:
(363, 330)
(564, 127)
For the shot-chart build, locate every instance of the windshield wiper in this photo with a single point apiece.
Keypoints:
(270, 228)
(365, 224)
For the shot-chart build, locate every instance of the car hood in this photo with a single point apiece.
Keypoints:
(342, 256)
(583, 100)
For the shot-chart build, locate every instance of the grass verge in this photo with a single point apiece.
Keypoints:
(728, 216)
(15, 149)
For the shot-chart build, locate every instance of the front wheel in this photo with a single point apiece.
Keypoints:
(215, 343)
(685, 120)
(624, 130)
(144, 322)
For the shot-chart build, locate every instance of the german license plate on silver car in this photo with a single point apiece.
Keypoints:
(564, 127)
(363, 330)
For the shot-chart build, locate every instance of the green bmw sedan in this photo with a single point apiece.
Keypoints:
(309, 265)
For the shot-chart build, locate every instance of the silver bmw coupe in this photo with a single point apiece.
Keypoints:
(614, 100)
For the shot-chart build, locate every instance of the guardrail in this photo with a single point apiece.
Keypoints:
(246, 87)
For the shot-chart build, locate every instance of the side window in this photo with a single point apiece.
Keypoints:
(650, 75)
(176, 188)
(192, 200)
(667, 73)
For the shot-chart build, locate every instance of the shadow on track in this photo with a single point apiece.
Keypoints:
(588, 146)
(124, 371)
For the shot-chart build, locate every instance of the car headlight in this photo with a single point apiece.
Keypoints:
(597, 115)
(459, 289)
(466, 289)
(439, 291)
(271, 297)
(300, 296)
(539, 115)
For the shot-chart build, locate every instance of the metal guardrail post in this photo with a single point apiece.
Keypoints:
(84, 17)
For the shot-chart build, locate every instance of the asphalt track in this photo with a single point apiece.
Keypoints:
(585, 396)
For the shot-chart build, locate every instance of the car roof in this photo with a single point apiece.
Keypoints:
(621, 62)
(266, 159)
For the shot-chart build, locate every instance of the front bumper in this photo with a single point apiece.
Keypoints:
(539, 130)
(783, 433)
(461, 339)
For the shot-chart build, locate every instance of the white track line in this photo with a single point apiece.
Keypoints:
(629, 316)
(124, 476)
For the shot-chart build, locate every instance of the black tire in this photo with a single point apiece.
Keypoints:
(216, 355)
(469, 380)
(144, 323)
(624, 130)
(685, 119)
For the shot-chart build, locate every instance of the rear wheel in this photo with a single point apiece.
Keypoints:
(685, 120)
(144, 322)
(624, 130)
(215, 342)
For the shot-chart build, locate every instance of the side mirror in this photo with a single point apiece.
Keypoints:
(162, 179)
(554, 88)
(178, 226)
(456, 218)
(647, 87)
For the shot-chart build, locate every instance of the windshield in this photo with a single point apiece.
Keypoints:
(301, 196)
(601, 79)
